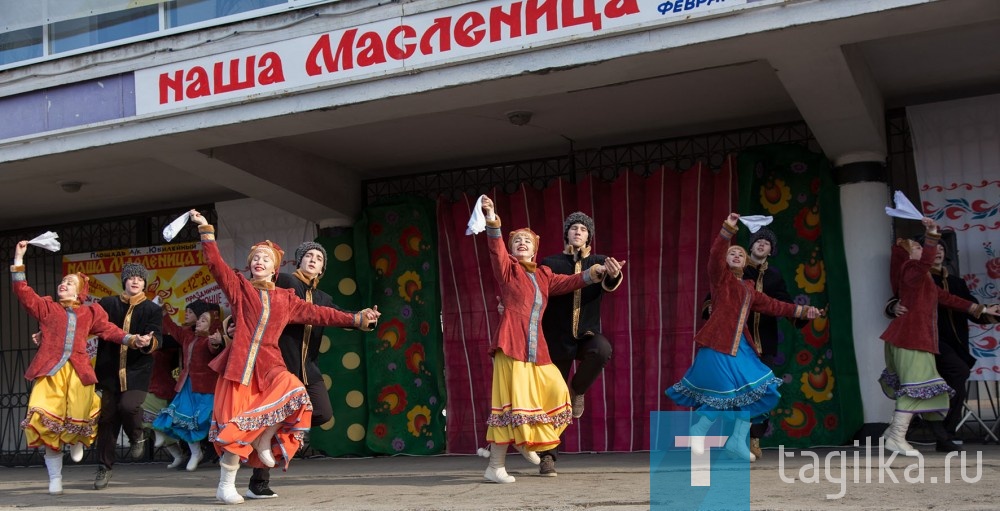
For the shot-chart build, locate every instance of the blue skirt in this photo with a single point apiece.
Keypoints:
(717, 382)
(188, 416)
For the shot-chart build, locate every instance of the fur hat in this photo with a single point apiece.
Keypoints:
(764, 234)
(578, 218)
(276, 251)
(198, 307)
(307, 246)
(130, 270)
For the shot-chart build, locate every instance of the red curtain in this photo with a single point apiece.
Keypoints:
(660, 225)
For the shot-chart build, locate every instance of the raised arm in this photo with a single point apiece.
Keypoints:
(717, 266)
(501, 261)
(766, 305)
(307, 313)
(228, 281)
(562, 284)
(105, 330)
(34, 304)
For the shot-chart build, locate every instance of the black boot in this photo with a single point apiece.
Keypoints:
(944, 443)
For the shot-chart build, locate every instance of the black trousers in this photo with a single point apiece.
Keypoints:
(592, 354)
(119, 410)
(955, 372)
(322, 412)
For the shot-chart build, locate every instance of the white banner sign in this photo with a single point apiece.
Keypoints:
(399, 45)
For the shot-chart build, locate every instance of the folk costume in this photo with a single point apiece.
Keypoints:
(530, 404)
(189, 415)
(255, 392)
(763, 328)
(910, 376)
(299, 346)
(727, 374)
(123, 375)
(572, 323)
(63, 406)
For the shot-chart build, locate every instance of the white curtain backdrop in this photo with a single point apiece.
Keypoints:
(957, 155)
(244, 222)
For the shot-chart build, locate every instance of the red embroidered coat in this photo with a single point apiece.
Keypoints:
(732, 301)
(917, 329)
(261, 315)
(524, 294)
(64, 332)
(197, 353)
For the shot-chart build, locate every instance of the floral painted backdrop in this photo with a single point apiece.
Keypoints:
(820, 399)
(397, 246)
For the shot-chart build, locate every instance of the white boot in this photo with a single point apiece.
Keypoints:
(159, 438)
(495, 471)
(228, 465)
(262, 444)
(531, 456)
(737, 443)
(53, 462)
(698, 432)
(178, 454)
(76, 452)
(895, 435)
(196, 456)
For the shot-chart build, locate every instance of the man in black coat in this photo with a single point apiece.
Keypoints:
(572, 322)
(123, 372)
(763, 328)
(954, 361)
(300, 347)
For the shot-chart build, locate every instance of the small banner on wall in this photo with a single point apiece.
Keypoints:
(177, 274)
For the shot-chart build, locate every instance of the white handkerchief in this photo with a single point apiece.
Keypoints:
(755, 222)
(49, 241)
(904, 208)
(171, 230)
(477, 222)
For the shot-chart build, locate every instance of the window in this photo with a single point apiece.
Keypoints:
(83, 32)
(20, 45)
(186, 12)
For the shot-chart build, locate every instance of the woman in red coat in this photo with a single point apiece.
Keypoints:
(63, 406)
(530, 401)
(727, 374)
(911, 341)
(261, 410)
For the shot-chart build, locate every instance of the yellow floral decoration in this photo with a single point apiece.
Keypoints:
(818, 386)
(775, 195)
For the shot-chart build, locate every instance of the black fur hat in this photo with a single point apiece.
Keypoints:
(578, 218)
(766, 234)
(305, 247)
(130, 270)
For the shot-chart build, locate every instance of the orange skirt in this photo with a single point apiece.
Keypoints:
(530, 404)
(61, 411)
(242, 412)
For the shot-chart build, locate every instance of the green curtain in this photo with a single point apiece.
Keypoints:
(342, 356)
(397, 260)
(820, 399)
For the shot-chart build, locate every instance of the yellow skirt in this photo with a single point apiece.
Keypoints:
(530, 404)
(242, 412)
(61, 410)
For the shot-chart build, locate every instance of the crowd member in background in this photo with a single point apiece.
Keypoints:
(189, 415)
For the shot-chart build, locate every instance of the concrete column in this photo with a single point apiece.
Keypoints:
(867, 242)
